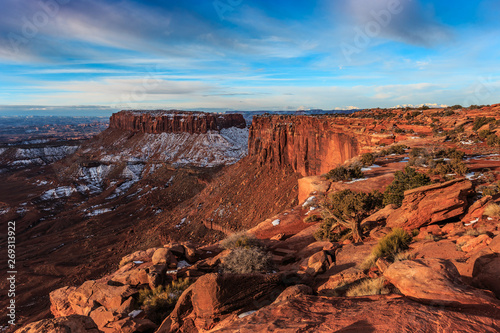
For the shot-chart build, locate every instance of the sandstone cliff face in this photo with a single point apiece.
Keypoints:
(174, 121)
(311, 145)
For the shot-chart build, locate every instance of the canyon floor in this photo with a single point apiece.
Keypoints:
(135, 209)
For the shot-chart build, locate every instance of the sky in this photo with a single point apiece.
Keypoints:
(97, 56)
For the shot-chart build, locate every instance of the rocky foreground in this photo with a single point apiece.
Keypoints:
(438, 259)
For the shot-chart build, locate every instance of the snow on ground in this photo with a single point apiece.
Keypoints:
(374, 166)
(99, 211)
(276, 222)
(2, 150)
(58, 193)
(48, 154)
(309, 201)
(204, 150)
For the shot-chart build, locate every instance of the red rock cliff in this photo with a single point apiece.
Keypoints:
(311, 145)
(174, 121)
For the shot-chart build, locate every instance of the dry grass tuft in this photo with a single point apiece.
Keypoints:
(368, 287)
(492, 210)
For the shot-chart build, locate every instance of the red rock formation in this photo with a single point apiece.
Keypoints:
(437, 282)
(311, 145)
(174, 121)
(419, 207)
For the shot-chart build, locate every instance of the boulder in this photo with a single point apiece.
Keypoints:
(134, 277)
(435, 281)
(495, 244)
(164, 256)
(143, 256)
(294, 291)
(419, 206)
(319, 262)
(190, 252)
(347, 277)
(59, 304)
(156, 275)
(176, 249)
(486, 273)
(73, 324)
(388, 314)
(92, 294)
(472, 244)
(214, 296)
(476, 210)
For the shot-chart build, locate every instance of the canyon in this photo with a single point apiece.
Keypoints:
(184, 181)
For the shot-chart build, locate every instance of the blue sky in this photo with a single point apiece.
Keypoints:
(246, 55)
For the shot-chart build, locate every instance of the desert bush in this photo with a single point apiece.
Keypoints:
(240, 239)
(159, 302)
(394, 149)
(449, 167)
(481, 121)
(342, 173)
(493, 140)
(368, 287)
(492, 210)
(456, 107)
(404, 180)
(490, 190)
(312, 218)
(344, 211)
(245, 260)
(367, 159)
(483, 134)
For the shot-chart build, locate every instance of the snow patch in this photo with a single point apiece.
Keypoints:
(246, 314)
(276, 222)
(99, 211)
(309, 201)
(58, 193)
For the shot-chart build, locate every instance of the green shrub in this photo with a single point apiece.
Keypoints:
(368, 287)
(342, 173)
(456, 107)
(367, 159)
(245, 260)
(344, 212)
(481, 121)
(240, 239)
(451, 167)
(388, 247)
(159, 302)
(403, 181)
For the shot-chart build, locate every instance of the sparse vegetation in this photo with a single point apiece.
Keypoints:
(245, 260)
(394, 149)
(481, 121)
(240, 239)
(342, 173)
(344, 212)
(159, 302)
(403, 181)
(493, 140)
(388, 247)
(367, 159)
(492, 210)
(368, 287)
